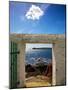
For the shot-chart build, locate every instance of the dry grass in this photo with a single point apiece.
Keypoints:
(37, 81)
(37, 84)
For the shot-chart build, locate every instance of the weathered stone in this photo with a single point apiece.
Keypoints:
(58, 54)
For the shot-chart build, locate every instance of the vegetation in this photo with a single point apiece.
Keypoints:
(39, 74)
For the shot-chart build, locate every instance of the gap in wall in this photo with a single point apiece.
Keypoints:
(38, 64)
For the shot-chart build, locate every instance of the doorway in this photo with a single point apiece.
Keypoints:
(38, 65)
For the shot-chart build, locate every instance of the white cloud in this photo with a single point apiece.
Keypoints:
(34, 13)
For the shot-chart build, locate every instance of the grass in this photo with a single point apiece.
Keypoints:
(37, 81)
(37, 84)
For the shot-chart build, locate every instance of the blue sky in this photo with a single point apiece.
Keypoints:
(37, 18)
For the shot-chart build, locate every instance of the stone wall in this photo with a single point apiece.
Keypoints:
(21, 65)
(58, 42)
(59, 52)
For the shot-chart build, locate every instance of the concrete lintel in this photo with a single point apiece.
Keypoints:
(39, 38)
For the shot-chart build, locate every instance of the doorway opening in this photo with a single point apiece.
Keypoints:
(38, 65)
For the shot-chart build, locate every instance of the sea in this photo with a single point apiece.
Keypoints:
(32, 56)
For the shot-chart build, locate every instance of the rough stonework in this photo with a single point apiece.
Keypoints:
(58, 42)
